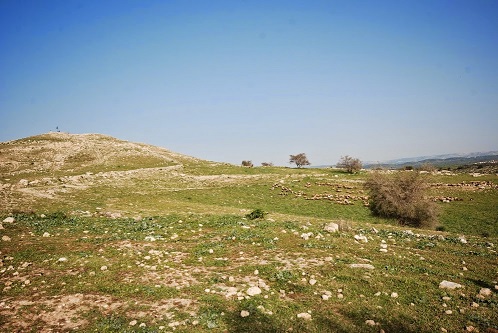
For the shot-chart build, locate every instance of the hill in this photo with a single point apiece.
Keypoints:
(464, 162)
(105, 235)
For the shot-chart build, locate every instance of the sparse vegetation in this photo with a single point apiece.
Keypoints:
(401, 196)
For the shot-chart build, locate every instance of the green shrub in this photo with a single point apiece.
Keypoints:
(256, 214)
(401, 196)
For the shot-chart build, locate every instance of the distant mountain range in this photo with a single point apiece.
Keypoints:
(436, 160)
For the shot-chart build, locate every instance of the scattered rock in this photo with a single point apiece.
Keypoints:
(103, 268)
(252, 291)
(325, 297)
(449, 285)
(133, 322)
(365, 266)
(9, 219)
(312, 282)
(462, 239)
(307, 235)
(485, 292)
(370, 322)
(244, 313)
(304, 315)
(46, 234)
(63, 259)
(361, 238)
(394, 295)
(331, 227)
(6, 238)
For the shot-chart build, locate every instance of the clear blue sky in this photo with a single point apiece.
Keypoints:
(257, 80)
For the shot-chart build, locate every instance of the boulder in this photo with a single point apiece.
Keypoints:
(361, 238)
(484, 292)
(9, 219)
(331, 227)
(304, 315)
(252, 291)
(244, 313)
(449, 285)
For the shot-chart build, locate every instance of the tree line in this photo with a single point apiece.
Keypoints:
(348, 163)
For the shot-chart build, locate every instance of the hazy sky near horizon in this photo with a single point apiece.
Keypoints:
(256, 80)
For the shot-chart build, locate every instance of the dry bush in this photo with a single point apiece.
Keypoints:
(401, 196)
(349, 163)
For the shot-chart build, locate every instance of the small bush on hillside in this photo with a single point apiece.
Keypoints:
(256, 214)
(247, 164)
(401, 196)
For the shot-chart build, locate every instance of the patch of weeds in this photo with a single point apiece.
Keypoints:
(223, 221)
(481, 321)
(205, 249)
(425, 244)
(284, 276)
(290, 225)
(115, 323)
(318, 245)
(211, 315)
(50, 222)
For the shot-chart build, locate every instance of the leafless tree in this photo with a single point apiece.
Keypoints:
(299, 159)
(349, 163)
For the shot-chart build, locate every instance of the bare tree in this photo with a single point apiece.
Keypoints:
(247, 164)
(349, 163)
(299, 159)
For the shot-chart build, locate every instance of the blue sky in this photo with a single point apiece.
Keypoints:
(256, 80)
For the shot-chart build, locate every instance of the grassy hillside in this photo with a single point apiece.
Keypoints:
(113, 236)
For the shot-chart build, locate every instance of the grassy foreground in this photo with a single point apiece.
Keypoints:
(197, 273)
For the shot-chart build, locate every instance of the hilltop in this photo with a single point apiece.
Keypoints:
(105, 235)
(63, 153)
